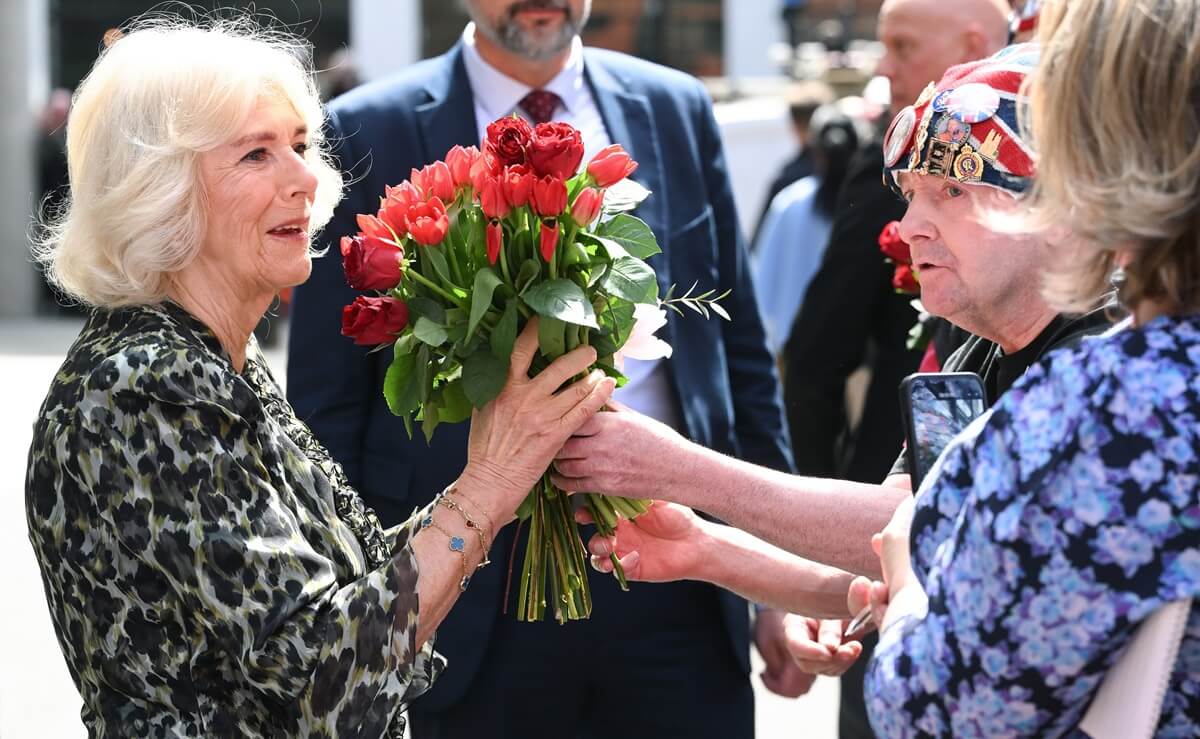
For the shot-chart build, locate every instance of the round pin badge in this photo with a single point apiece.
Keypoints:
(939, 102)
(898, 136)
(973, 103)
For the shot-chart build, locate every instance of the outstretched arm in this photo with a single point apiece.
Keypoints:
(828, 521)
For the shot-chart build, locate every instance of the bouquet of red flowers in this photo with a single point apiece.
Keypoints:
(466, 251)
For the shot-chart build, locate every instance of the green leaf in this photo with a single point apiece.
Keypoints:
(614, 373)
(551, 337)
(430, 419)
(404, 345)
(455, 406)
(632, 233)
(486, 282)
(429, 332)
(483, 378)
(434, 256)
(616, 321)
(632, 279)
(564, 300)
(400, 387)
(428, 308)
(527, 274)
(505, 333)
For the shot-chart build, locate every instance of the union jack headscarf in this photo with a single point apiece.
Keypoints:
(964, 127)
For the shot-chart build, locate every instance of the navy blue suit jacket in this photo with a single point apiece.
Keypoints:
(724, 378)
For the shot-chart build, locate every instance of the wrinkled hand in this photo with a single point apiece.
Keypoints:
(663, 544)
(514, 438)
(817, 646)
(783, 675)
(621, 453)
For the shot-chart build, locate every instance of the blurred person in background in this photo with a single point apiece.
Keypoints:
(852, 316)
(795, 231)
(803, 100)
(669, 655)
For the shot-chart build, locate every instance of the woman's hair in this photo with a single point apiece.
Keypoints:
(834, 137)
(161, 94)
(1113, 115)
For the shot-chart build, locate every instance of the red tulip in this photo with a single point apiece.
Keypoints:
(549, 238)
(373, 226)
(406, 193)
(555, 149)
(492, 199)
(460, 161)
(611, 165)
(395, 214)
(586, 206)
(439, 183)
(417, 178)
(428, 222)
(892, 245)
(518, 185)
(371, 262)
(549, 196)
(371, 321)
(904, 280)
(495, 240)
(485, 165)
(507, 140)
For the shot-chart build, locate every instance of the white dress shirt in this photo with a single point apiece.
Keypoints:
(497, 95)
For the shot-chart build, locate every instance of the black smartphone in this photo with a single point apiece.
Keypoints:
(936, 406)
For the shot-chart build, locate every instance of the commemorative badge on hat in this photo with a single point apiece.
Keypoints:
(966, 125)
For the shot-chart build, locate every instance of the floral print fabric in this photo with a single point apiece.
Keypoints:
(1046, 533)
(208, 570)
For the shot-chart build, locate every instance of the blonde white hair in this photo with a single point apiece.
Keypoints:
(1115, 117)
(159, 96)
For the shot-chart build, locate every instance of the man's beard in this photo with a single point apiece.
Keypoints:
(531, 45)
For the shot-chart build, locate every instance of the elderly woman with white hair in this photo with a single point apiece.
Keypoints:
(208, 569)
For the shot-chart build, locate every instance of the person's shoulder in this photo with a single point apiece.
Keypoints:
(129, 357)
(645, 77)
(396, 93)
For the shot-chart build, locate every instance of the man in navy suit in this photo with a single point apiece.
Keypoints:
(658, 661)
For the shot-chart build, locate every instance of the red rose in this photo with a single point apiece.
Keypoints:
(518, 184)
(905, 280)
(586, 206)
(428, 222)
(492, 199)
(611, 165)
(439, 183)
(371, 263)
(549, 196)
(507, 140)
(371, 321)
(556, 149)
(495, 240)
(460, 161)
(892, 246)
(549, 241)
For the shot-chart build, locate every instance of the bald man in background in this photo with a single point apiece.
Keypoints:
(851, 316)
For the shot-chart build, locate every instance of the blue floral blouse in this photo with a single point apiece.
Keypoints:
(1044, 535)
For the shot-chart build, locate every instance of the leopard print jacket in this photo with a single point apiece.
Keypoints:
(208, 569)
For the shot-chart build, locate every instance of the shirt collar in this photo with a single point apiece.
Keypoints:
(498, 94)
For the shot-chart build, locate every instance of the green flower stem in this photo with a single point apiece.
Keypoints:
(437, 289)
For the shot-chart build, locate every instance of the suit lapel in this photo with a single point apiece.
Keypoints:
(629, 120)
(449, 116)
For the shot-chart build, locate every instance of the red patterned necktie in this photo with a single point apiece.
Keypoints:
(540, 105)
